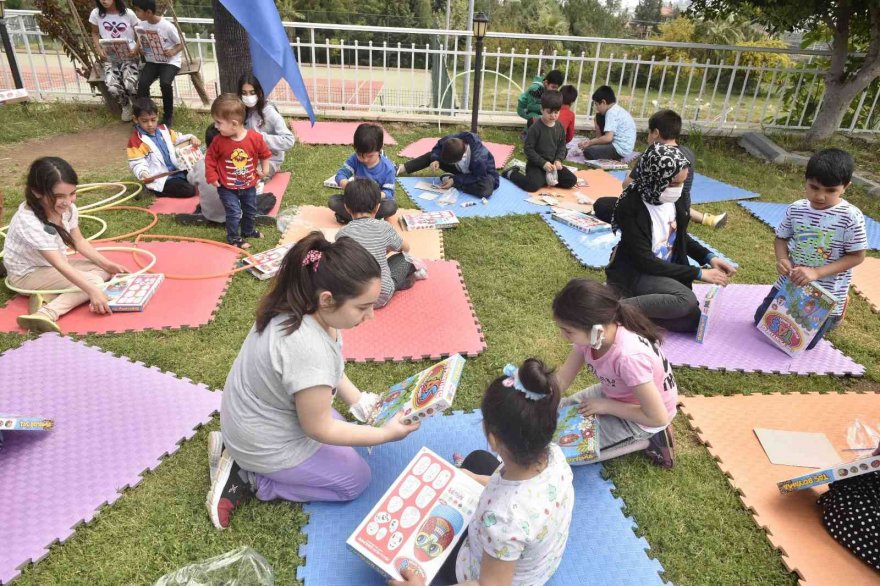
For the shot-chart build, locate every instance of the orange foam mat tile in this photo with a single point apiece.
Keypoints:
(176, 304)
(424, 244)
(599, 184)
(866, 281)
(330, 132)
(793, 521)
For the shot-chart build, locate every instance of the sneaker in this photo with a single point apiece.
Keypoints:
(661, 448)
(35, 303)
(37, 322)
(215, 452)
(227, 492)
(715, 220)
(126, 113)
(191, 219)
(420, 274)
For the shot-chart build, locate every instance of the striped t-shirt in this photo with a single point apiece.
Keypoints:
(819, 237)
(378, 237)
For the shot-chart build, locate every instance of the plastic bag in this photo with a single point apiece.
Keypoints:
(552, 178)
(286, 217)
(239, 567)
(861, 435)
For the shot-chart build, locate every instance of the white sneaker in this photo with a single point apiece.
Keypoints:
(421, 274)
(215, 451)
(401, 170)
(126, 113)
(260, 185)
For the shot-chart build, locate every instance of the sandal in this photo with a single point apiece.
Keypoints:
(254, 234)
(241, 244)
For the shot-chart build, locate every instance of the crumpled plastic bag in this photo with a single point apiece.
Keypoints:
(239, 567)
(861, 435)
(286, 217)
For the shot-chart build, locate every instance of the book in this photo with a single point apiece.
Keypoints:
(427, 220)
(419, 520)
(133, 294)
(829, 475)
(579, 221)
(19, 423)
(707, 311)
(151, 44)
(265, 265)
(331, 182)
(188, 155)
(606, 164)
(116, 49)
(577, 435)
(795, 316)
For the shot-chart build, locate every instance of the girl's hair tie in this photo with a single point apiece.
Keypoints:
(512, 380)
(313, 257)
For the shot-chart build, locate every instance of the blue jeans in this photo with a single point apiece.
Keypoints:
(241, 208)
(832, 322)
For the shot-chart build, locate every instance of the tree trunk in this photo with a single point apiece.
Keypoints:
(834, 106)
(232, 48)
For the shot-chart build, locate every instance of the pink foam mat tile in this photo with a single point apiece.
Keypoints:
(500, 152)
(114, 419)
(174, 205)
(329, 132)
(431, 320)
(178, 303)
(734, 343)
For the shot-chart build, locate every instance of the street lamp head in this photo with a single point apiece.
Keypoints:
(481, 25)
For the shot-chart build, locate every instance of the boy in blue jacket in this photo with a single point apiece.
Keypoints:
(467, 164)
(368, 161)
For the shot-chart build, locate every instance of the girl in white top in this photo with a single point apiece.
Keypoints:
(264, 117)
(111, 20)
(36, 241)
(520, 529)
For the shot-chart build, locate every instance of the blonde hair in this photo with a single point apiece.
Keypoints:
(228, 107)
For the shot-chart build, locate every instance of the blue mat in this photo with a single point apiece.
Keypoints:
(507, 200)
(594, 250)
(772, 214)
(602, 546)
(707, 190)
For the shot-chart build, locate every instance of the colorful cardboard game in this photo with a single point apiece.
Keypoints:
(133, 294)
(578, 221)
(606, 164)
(429, 220)
(829, 475)
(188, 155)
(707, 309)
(266, 264)
(795, 316)
(577, 435)
(116, 49)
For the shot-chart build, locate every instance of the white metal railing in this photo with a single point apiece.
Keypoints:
(389, 72)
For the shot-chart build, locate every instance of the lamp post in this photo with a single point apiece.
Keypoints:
(7, 46)
(481, 26)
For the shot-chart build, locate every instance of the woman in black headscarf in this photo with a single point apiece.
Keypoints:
(650, 265)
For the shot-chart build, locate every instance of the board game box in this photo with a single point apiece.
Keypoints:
(829, 475)
(116, 49)
(419, 520)
(18, 423)
(331, 182)
(582, 222)
(707, 310)
(133, 294)
(607, 164)
(795, 316)
(427, 220)
(151, 44)
(188, 155)
(577, 436)
(266, 264)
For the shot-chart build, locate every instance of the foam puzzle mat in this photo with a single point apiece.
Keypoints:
(177, 303)
(330, 132)
(107, 410)
(866, 281)
(598, 184)
(609, 553)
(773, 213)
(431, 320)
(708, 190)
(734, 343)
(500, 152)
(507, 200)
(792, 521)
(277, 185)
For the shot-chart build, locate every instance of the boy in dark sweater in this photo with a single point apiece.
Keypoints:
(545, 150)
(467, 164)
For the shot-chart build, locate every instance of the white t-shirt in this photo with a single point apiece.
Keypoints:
(168, 38)
(526, 521)
(663, 229)
(464, 165)
(115, 26)
(27, 236)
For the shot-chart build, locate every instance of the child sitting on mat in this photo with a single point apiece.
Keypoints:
(152, 156)
(614, 126)
(635, 401)
(368, 161)
(362, 199)
(566, 115)
(468, 164)
(822, 237)
(520, 529)
(44, 226)
(281, 437)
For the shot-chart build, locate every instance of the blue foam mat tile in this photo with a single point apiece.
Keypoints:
(602, 547)
(507, 200)
(707, 190)
(773, 213)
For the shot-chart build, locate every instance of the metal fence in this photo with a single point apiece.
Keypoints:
(390, 73)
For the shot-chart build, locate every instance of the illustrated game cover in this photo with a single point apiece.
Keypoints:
(607, 164)
(829, 475)
(427, 220)
(707, 309)
(188, 155)
(116, 49)
(265, 265)
(577, 436)
(794, 317)
(18, 423)
(331, 182)
(419, 519)
(151, 44)
(133, 294)
(577, 220)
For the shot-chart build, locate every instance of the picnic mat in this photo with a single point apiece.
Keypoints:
(708, 190)
(500, 152)
(773, 213)
(431, 320)
(608, 553)
(277, 185)
(507, 200)
(114, 419)
(424, 244)
(178, 303)
(793, 521)
(734, 343)
(330, 132)
(866, 281)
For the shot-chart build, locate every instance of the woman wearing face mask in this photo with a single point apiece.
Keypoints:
(264, 117)
(650, 265)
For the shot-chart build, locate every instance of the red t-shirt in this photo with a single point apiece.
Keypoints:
(566, 118)
(234, 162)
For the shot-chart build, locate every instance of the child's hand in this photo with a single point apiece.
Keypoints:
(410, 578)
(446, 183)
(343, 183)
(783, 267)
(216, 184)
(584, 144)
(435, 165)
(260, 172)
(801, 276)
(195, 142)
(396, 430)
(723, 265)
(98, 302)
(114, 268)
(558, 165)
(715, 277)
(548, 167)
(593, 406)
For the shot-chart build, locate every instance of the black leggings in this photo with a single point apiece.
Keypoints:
(175, 187)
(387, 208)
(536, 178)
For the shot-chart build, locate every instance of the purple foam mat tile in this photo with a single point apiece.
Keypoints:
(734, 343)
(114, 419)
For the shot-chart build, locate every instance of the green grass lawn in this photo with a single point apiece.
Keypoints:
(694, 521)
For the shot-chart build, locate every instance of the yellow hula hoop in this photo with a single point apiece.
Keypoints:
(97, 219)
(112, 281)
(108, 201)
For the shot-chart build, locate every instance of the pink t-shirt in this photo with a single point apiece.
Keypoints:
(632, 361)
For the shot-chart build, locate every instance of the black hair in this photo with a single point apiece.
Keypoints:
(604, 94)
(524, 426)
(344, 269)
(668, 122)
(102, 12)
(584, 303)
(211, 133)
(361, 195)
(554, 77)
(145, 5)
(368, 138)
(831, 167)
(144, 106)
(569, 94)
(249, 79)
(452, 151)
(551, 100)
(43, 175)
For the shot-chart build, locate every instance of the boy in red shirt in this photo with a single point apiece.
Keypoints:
(231, 166)
(566, 116)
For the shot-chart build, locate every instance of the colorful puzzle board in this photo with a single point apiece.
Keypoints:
(427, 393)
(794, 318)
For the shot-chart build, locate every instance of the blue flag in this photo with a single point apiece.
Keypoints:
(271, 54)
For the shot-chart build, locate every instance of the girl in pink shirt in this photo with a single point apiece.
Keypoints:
(635, 399)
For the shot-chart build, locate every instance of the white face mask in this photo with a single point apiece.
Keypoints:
(671, 194)
(249, 101)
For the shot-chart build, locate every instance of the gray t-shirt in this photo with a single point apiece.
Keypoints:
(378, 237)
(258, 416)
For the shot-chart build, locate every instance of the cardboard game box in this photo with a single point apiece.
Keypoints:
(331, 182)
(793, 318)
(419, 519)
(151, 44)
(133, 294)
(707, 310)
(116, 49)
(188, 155)
(829, 475)
(607, 164)
(18, 423)
(578, 221)
(577, 436)
(266, 264)
(428, 220)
